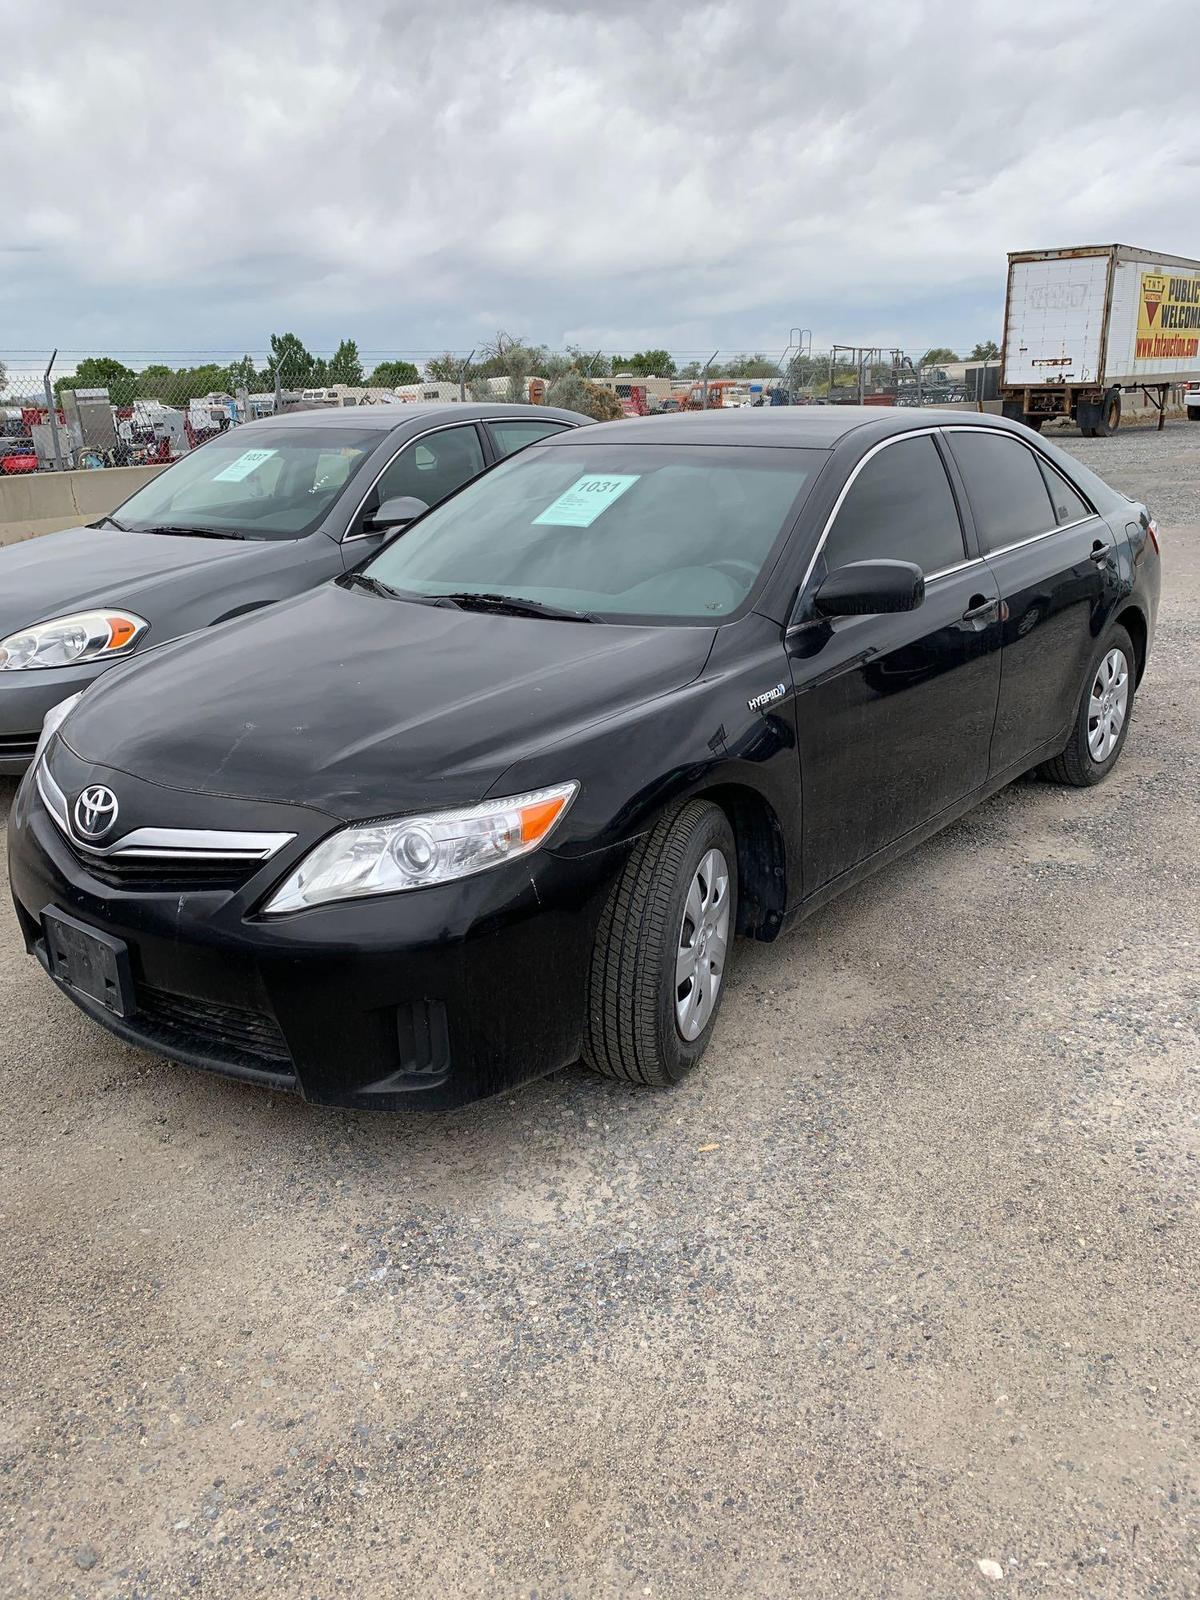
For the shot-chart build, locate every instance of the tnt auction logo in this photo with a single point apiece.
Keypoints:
(1154, 288)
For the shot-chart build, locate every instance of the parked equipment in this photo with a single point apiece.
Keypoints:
(1084, 326)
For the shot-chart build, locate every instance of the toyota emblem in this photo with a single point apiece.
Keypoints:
(95, 811)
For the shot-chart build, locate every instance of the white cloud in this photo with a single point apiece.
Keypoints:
(689, 175)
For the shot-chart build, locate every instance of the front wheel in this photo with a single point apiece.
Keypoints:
(1102, 718)
(662, 949)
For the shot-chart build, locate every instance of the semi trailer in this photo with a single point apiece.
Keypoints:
(1084, 326)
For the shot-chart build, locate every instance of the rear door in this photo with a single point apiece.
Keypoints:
(893, 713)
(1054, 561)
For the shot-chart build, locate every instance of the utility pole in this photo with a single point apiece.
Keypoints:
(704, 379)
(60, 463)
(462, 377)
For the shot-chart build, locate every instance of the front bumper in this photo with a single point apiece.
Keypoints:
(25, 698)
(423, 1000)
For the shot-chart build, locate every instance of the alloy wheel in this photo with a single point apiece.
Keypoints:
(1108, 705)
(702, 946)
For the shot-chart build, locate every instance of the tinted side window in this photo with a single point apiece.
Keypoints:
(513, 436)
(1069, 506)
(434, 466)
(900, 508)
(1005, 487)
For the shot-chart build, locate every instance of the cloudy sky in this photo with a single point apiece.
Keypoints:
(616, 174)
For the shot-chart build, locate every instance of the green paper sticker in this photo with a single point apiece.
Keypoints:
(582, 503)
(243, 466)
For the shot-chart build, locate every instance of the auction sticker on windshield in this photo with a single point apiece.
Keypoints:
(582, 503)
(243, 466)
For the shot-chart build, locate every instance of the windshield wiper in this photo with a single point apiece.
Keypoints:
(515, 607)
(196, 533)
(364, 580)
(112, 522)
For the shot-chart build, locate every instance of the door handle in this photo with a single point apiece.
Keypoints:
(981, 609)
(1100, 552)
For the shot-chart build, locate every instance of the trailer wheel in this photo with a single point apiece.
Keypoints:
(1031, 420)
(1087, 416)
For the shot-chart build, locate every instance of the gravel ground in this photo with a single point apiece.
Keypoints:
(898, 1297)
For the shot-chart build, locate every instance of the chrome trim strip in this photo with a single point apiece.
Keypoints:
(163, 844)
(1036, 538)
(946, 572)
(54, 800)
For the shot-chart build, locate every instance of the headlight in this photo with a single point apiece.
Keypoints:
(67, 641)
(52, 722)
(414, 852)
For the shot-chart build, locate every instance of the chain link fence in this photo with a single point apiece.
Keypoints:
(80, 410)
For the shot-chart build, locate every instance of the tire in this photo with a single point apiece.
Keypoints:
(1109, 410)
(1085, 760)
(632, 1030)
(1193, 413)
(1034, 422)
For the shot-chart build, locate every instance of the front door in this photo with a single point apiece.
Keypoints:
(894, 713)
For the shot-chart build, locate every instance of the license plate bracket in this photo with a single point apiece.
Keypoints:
(92, 963)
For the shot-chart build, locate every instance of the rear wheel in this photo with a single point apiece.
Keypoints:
(1193, 413)
(658, 967)
(1033, 421)
(1102, 718)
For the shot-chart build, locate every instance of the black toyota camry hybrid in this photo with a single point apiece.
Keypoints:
(501, 797)
(253, 516)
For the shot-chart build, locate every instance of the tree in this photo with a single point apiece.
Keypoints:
(244, 374)
(573, 392)
(394, 374)
(989, 350)
(937, 356)
(756, 366)
(444, 368)
(345, 366)
(296, 366)
(646, 364)
(3, 377)
(102, 372)
(592, 363)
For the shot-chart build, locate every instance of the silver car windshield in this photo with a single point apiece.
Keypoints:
(259, 482)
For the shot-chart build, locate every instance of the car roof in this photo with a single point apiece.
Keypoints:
(808, 427)
(385, 417)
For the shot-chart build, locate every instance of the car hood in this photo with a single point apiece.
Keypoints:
(86, 567)
(362, 706)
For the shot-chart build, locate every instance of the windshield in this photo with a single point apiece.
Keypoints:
(261, 482)
(659, 533)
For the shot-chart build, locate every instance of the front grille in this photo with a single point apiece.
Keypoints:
(162, 872)
(244, 1040)
(17, 746)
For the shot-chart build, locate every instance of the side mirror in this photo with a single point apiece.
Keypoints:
(395, 514)
(867, 588)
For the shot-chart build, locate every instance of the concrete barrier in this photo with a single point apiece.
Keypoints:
(43, 502)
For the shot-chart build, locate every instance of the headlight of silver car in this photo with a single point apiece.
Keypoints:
(53, 721)
(413, 852)
(69, 641)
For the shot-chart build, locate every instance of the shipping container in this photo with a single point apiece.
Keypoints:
(1084, 326)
